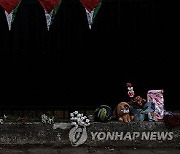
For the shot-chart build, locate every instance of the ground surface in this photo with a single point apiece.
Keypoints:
(85, 150)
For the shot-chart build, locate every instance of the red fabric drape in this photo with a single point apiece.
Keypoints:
(9, 5)
(49, 5)
(90, 4)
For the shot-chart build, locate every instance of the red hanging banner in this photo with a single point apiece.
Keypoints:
(10, 8)
(9, 5)
(92, 7)
(49, 5)
(90, 4)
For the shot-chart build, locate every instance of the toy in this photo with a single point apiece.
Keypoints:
(122, 112)
(103, 113)
(130, 90)
(139, 101)
(142, 108)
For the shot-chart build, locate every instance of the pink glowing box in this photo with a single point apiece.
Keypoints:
(156, 96)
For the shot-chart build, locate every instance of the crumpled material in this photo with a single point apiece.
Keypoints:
(140, 113)
(156, 96)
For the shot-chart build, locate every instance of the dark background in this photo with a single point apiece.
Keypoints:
(133, 41)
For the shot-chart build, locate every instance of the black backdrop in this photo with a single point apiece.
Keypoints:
(130, 41)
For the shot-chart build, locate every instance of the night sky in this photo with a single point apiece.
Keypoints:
(69, 65)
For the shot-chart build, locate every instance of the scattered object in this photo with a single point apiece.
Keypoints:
(1, 121)
(171, 119)
(130, 90)
(156, 96)
(103, 113)
(22, 120)
(78, 119)
(142, 109)
(5, 117)
(50, 120)
(122, 112)
(139, 101)
(45, 119)
(143, 113)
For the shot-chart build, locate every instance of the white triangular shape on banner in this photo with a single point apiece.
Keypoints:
(9, 17)
(48, 18)
(90, 17)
